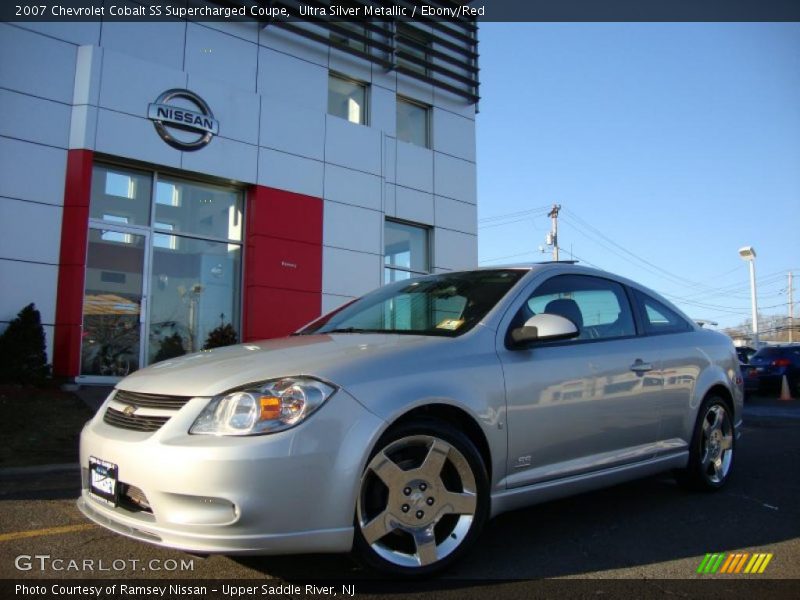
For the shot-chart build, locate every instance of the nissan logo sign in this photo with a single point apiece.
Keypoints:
(168, 117)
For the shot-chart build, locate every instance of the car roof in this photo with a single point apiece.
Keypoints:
(567, 266)
(783, 346)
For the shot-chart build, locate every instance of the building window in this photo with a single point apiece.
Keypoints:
(120, 196)
(413, 122)
(163, 268)
(412, 48)
(347, 99)
(406, 252)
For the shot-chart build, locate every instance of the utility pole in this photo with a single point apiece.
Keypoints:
(791, 308)
(553, 214)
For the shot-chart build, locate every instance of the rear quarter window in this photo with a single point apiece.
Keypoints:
(658, 318)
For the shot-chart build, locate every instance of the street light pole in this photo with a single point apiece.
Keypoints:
(748, 254)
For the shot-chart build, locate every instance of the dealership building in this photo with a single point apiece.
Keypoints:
(163, 183)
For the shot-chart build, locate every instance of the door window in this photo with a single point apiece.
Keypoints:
(193, 290)
(112, 303)
(598, 307)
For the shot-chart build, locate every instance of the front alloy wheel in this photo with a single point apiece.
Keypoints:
(422, 500)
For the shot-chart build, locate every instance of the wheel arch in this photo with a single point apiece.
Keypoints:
(716, 379)
(724, 393)
(451, 415)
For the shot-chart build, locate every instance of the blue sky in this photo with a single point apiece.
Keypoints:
(668, 146)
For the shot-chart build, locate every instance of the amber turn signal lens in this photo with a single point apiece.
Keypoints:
(270, 408)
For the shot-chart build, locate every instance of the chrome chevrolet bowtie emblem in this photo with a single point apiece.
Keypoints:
(129, 410)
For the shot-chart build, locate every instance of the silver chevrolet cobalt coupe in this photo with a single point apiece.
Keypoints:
(397, 425)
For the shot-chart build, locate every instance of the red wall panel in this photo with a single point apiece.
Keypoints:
(72, 259)
(283, 265)
(284, 215)
(276, 312)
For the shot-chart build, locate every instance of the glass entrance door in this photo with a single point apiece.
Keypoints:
(113, 306)
(163, 269)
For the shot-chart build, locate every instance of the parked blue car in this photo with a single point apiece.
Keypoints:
(769, 365)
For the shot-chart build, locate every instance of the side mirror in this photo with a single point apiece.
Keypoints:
(544, 327)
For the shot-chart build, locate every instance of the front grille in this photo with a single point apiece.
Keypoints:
(133, 422)
(151, 400)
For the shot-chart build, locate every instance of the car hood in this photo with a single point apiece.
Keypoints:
(330, 357)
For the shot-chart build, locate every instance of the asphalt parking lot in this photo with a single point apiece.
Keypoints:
(649, 529)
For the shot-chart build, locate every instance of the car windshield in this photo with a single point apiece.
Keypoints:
(448, 304)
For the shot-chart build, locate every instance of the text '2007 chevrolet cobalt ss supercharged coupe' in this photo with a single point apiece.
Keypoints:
(398, 424)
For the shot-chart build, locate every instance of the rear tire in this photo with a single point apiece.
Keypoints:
(424, 498)
(711, 452)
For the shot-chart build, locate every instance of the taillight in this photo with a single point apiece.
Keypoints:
(781, 362)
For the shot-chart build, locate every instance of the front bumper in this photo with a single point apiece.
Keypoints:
(283, 493)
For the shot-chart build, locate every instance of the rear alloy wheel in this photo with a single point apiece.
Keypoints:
(712, 449)
(423, 500)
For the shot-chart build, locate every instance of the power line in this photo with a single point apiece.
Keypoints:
(490, 225)
(583, 260)
(576, 221)
(765, 281)
(539, 209)
(581, 224)
(485, 260)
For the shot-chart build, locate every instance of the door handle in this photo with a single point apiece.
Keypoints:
(640, 367)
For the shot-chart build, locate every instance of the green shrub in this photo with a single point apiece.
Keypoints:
(23, 358)
(170, 347)
(224, 335)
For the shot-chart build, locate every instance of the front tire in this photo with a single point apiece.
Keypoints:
(423, 500)
(712, 448)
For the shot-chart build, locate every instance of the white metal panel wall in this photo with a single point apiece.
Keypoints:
(37, 77)
(87, 85)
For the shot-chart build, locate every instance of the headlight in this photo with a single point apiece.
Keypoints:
(262, 407)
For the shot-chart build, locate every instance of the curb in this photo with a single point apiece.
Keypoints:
(39, 469)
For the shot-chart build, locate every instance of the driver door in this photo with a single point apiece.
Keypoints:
(583, 404)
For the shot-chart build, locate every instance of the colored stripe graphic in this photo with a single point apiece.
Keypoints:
(711, 568)
(728, 563)
(720, 562)
(758, 563)
(741, 562)
(702, 566)
(765, 563)
(752, 562)
(711, 563)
